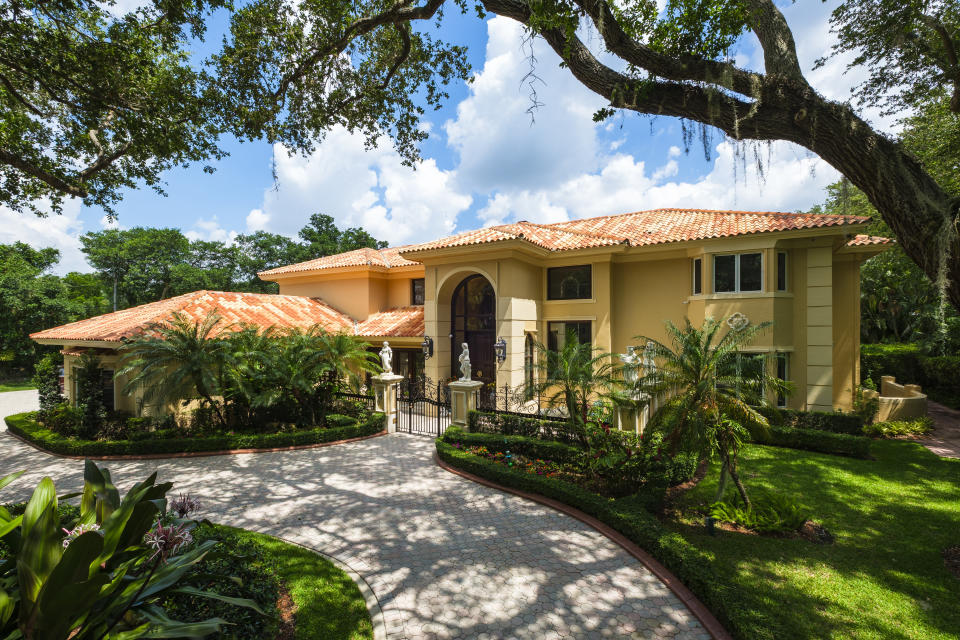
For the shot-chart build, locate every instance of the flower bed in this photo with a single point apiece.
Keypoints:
(26, 426)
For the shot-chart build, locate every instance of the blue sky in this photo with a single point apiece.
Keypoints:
(485, 162)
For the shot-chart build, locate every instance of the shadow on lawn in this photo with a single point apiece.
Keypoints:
(884, 576)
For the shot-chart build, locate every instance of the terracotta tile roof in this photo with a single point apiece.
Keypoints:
(384, 258)
(863, 240)
(397, 322)
(261, 309)
(658, 226)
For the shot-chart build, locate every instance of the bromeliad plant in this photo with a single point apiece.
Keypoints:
(101, 576)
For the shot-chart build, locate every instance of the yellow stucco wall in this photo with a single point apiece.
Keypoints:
(358, 296)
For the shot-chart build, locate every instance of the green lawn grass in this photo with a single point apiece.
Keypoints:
(16, 385)
(329, 604)
(883, 577)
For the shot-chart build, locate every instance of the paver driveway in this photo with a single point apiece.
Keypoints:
(446, 558)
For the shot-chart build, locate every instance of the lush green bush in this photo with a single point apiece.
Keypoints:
(26, 426)
(895, 428)
(518, 425)
(835, 422)
(103, 574)
(820, 441)
(770, 513)
(46, 377)
(689, 564)
(530, 447)
(339, 420)
(938, 375)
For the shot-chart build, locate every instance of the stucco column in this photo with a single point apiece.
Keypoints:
(385, 389)
(463, 400)
(820, 329)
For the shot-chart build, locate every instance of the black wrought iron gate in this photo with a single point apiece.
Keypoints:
(423, 407)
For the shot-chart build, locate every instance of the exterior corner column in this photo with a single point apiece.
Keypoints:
(463, 400)
(385, 390)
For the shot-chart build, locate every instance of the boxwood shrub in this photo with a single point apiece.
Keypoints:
(517, 425)
(26, 426)
(820, 441)
(689, 564)
(530, 447)
(835, 422)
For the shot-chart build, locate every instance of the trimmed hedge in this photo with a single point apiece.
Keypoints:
(517, 425)
(839, 444)
(530, 447)
(689, 564)
(834, 422)
(25, 426)
(938, 375)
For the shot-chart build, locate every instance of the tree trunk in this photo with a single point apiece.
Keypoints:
(732, 470)
(722, 484)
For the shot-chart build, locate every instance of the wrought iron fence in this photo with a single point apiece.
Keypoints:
(368, 402)
(423, 407)
(516, 401)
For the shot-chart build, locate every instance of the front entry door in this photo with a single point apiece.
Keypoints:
(473, 320)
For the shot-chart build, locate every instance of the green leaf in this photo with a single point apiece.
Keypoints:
(240, 602)
(5, 480)
(7, 606)
(40, 549)
(7, 527)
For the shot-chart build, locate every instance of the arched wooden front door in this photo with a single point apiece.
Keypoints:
(474, 321)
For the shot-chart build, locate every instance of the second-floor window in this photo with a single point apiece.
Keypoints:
(697, 276)
(569, 283)
(416, 291)
(737, 272)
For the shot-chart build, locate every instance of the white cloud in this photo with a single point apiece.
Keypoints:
(370, 188)
(60, 231)
(499, 147)
(211, 230)
(792, 182)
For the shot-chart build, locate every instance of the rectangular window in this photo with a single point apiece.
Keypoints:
(569, 283)
(783, 372)
(558, 333)
(106, 381)
(738, 272)
(697, 276)
(781, 270)
(416, 291)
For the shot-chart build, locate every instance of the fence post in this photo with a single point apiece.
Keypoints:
(463, 400)
(385, 388)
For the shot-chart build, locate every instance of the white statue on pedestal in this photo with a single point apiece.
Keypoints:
(386, 357)
(465, 363)
(631, 362)
(649, 364)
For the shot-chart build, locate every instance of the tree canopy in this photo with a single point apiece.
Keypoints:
(289, 73)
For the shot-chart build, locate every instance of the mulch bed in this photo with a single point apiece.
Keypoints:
(288, 610)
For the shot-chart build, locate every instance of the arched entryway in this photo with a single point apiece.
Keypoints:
(473, 320)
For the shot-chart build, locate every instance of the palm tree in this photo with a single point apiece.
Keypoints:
(573, 377)
(249, 380)
(709, 390)
(349, 358)
(177, 360)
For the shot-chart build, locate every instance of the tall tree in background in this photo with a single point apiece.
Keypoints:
(323, 238)
(91, 103)
(30, 299)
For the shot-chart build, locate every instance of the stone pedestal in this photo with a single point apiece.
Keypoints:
(631, 416)
(386, 386)
(463, 400)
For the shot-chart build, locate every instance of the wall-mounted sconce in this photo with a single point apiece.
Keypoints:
(427, 346)
(500, 349)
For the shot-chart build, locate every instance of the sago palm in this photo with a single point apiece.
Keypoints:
(708, 390)
(177, 360)
(573, 377)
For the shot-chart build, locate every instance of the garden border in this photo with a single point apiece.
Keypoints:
(683, 593)
(13, 431)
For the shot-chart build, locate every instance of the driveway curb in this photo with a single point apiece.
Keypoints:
(697, 608)
(194, 454)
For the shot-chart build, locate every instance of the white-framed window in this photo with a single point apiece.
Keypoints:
(781, 270)
(737, 272)
(697, 276)
(783, 372)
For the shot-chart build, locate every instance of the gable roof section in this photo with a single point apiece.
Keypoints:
(400, 322)
(642, 228)
(261, 309)
(382, 258)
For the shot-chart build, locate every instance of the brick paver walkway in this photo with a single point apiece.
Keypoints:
(945, 439)
(446, 558)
